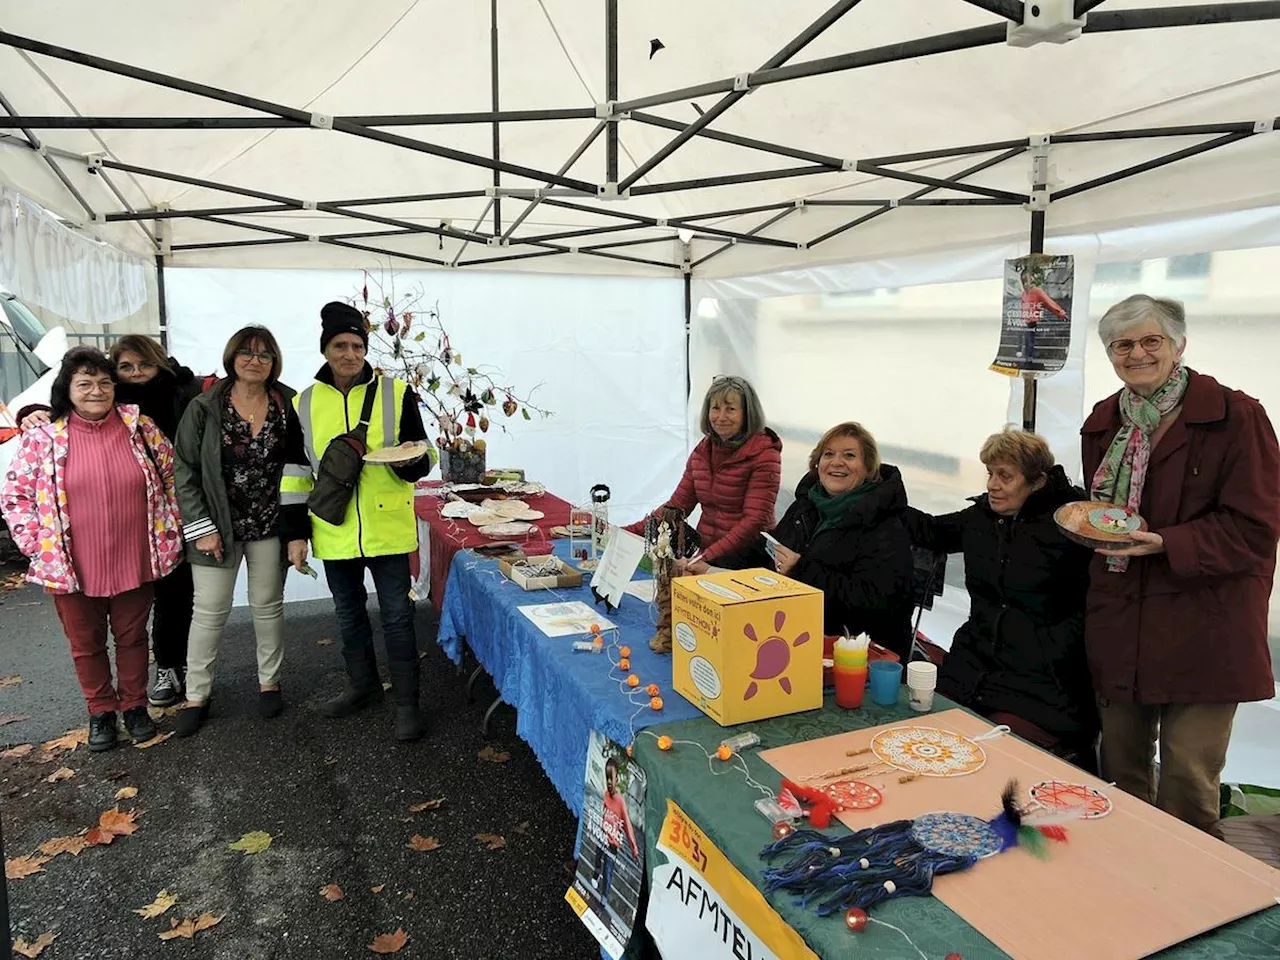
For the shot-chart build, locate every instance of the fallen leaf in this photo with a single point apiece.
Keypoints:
(163, 901)
(423, 844)
(97, 837)
(10, 681)
(119, 823)
(378, 889)
(188, 928)
(12, 718)
(14, 581)
(389, 942)
(522, 827)
(34, 948)
(409, 895)
(126, 793)
(324, 641)
(435, 804)
(331, 892)
(20, 867)
(68, 741)
(154, 741)
(111, 776)
(62, 773)
(254, 842)
(494, 756)
(492, 841)
(158, 712)
(21, 750)
(330, 761)
(72, 845)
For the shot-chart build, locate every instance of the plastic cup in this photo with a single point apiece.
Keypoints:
(884, 677)
(922, 680)
(850, 685)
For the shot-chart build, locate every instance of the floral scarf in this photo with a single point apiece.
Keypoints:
(1122, 475)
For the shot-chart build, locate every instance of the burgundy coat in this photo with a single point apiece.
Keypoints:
(738, 491)
(1190, 625)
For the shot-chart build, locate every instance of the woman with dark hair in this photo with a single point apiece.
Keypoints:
(231, 454)
(733, 474)
(89, 498)
(843, 535)
(1019, 659)
(161, 389)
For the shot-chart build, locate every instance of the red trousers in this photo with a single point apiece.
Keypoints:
(85, 620)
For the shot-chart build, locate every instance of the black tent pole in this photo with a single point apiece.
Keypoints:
(611, 88)
(164, 310)
(497, 127)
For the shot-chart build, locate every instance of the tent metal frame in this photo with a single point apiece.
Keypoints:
(560, 189)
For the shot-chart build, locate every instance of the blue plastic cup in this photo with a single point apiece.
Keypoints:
(884, 678)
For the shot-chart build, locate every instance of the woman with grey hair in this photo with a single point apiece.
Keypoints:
(1176, 625)
(734, 474)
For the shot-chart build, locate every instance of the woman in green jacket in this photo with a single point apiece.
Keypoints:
(230, 455)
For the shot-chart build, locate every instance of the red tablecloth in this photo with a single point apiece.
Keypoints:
(450, 536)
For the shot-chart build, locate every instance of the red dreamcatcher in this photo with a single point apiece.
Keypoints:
(1086, 802)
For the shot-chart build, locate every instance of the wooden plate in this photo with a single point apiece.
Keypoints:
(397, 455)
(1097, 524)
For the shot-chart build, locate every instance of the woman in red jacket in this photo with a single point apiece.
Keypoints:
(1176, 626)
(733, 474)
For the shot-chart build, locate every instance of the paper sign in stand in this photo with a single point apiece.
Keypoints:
(622, 554)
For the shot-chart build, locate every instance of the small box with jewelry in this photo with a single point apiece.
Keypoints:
(546, 572)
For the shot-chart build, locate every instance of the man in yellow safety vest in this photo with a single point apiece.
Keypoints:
(379, 530)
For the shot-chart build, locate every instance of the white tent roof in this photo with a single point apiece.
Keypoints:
(416, 57)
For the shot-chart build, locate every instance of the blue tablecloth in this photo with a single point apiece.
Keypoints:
(559, 695)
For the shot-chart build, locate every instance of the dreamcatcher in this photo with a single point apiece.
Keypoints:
(901, 858)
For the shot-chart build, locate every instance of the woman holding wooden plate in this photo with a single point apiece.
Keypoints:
(1176, 621)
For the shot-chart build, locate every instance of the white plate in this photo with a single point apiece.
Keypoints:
(509, 528)
(458, 509)
(396, 455)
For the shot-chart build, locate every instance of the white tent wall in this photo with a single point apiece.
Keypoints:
(606, 354)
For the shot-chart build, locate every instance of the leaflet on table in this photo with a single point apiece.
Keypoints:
(610, 873)
(701, 906)
(564, 619)
(643, 590)
(622, 554)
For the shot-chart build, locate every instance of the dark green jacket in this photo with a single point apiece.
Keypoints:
(202, 493)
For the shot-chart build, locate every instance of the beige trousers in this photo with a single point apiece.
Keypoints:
(1193, 750)
(214, 589)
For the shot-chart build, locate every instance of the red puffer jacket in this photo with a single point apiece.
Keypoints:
(738, 491)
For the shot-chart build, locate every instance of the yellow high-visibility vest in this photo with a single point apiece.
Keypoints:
(380, 519)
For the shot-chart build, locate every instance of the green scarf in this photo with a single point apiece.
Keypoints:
(831, 509)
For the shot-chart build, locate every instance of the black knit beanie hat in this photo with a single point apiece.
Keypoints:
(338, 317)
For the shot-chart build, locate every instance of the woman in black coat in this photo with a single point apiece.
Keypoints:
(1021, 652)
(843, 536)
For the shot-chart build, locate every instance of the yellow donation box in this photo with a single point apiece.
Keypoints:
(747, 644)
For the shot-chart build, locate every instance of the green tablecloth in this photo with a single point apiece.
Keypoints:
(722, 806)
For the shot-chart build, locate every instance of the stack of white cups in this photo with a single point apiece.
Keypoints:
(922, 679)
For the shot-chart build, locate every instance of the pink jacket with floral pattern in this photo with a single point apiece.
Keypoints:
(34, 500)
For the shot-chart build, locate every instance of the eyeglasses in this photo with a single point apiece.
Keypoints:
(1122, 348)
(142, 366)
(253, 355)
(726, 378)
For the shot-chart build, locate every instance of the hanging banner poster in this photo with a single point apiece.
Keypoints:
(701, 906)
(610, 874)
(1035, 331)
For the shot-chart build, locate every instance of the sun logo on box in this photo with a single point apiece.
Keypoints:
(773, 655)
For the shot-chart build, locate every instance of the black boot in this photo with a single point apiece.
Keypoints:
(103, 733)
(404, 690)
(364, 689)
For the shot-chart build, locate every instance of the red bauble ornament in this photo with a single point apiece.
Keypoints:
(954, 956)
(855, 919)
(782, 830)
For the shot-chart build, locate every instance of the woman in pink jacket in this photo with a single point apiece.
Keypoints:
(733, 474)
(105, 475)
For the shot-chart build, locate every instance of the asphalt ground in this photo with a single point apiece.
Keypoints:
(333, 795)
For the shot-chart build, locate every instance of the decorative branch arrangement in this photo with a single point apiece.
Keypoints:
(408, 341)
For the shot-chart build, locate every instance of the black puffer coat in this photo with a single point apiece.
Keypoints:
(862, 565)
(164, 397)
(1022, 649)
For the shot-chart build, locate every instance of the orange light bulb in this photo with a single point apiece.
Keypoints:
(723, 752)
(625, 664)
(664, 742)
(633, 680)
(624, 651)
(656, 703)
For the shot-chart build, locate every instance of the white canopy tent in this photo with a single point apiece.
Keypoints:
(313, 132)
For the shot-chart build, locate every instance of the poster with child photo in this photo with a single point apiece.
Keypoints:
(610, 873)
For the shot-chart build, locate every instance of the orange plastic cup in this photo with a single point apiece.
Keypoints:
(850, 685)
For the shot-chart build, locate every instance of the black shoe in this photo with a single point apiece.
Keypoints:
(270, 703)
(189, 719)
(103, 734)
(167, 690)
(139, 724)
(364, 689)
(410, 724)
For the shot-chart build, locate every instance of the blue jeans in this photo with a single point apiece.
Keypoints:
(391, 581)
